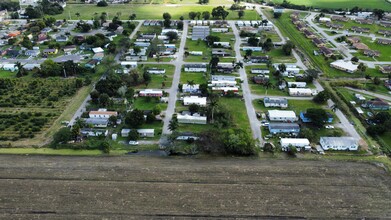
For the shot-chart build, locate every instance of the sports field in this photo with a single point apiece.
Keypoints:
(371, 4)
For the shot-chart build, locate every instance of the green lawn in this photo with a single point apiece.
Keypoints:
(157, 79)
(198, 78)
(385, 50)
(145, 103)
(145, 11)
(305, 45)
(7, 74)
(371, 4)
(238, 110)
(49, 151)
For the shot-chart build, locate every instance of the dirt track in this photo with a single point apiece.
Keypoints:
(48, 187)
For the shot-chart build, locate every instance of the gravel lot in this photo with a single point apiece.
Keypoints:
(49, 187)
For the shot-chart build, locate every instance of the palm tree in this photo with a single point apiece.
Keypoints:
(238, 65)
(213, 105)
(77, 14)
(20, 72)
(190, 83)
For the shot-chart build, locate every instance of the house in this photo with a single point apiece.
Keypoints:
(221, 53)
(125, 132)
(385, 24)
(309, 34)
(220, 30)
(334, 25)
(376, 104)
(275, 102)
(371, 53)
(386, 33)
(188, 100)
(97, 56)
(102, 113)
(91, 64)
(300, 92)
(326, 51)
(97, 122)
(278, 9)
(92, 132)
(221, 44)
(200, 32)
(353, 39)
(261, 79)
(260, 71)
(338, 143)
(191, 88)
(222, 83)
(12, 34)
(324, 19)
(225, 68)
(364, 21)
(222, 78)
(50, 51)
(259, 59)
(142, 44)
(387, 84)
(339, 18)
(295, 20)
(360, 97)
(225, 89)
(199, 68)
(305, 119)
(41, 38)
(299, 143)
(196, 53)
(146, 132)
(192, 119)
(70, 48)
(150, 93)
(385, 69)
(282, 115)
(31, 66)
(343, 65)
(13, 53)
(284, 128)
(10, 67)
(300, 27)
(253, 49)
(360, 29)
(61, 38)
(383, 41)
(156, 71)
(296, 84)
(360, 46)
(97, 50)
(33, 53)
(318, 42)
(129, 64)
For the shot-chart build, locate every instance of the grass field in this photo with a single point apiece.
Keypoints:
(371, 4)
(145, 11)
(157, 79)
(385, 50)
(238, 111)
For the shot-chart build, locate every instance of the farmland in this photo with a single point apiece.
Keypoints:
(383, 4)
(182, 187)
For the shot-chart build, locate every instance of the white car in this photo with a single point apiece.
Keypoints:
(329, 127)
(133, 143)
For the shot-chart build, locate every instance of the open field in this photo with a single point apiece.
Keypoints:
(121, 187)
(145, 11)
(383, 4)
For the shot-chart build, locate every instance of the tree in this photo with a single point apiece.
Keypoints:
(362, 67)
(219, 12)
(268, 44)
(318, 116)
(379, 13)
(21, 71)
(179, 25)
(253, 41)
(166, 16)
(27, 43)
(172, 36)
(132, 16)
(210, 39)
(192, 15)
(113, 120)
(240, 14)
(106, 147)
(214, 62)
(133, 135)
(309, 134)
(287, 48)
(150, 118)
(136, 50)
(94, 96)
(50, 68)
(173, 125)
(239, 142)
(354, 59)
(321, 97)
(102, 4)
(135, 118)
(147, 77)
(156, 110)
(206, 15)
(193, 108)
(277, 15)
(104, 99)
(62, 136)
(376, 80)
(249, 53)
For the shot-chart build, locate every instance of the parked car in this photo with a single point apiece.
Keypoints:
(133, 143)
(329, 127)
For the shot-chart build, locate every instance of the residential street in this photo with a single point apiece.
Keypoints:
(254, 122)
(381, 96)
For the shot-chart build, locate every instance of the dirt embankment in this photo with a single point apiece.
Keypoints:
(48, 187)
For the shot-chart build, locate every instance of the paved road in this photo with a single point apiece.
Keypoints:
(345, 124)
(381, 96)
(173, 91)
(254, 122)
(255, 96)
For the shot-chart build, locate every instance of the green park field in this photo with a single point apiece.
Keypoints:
(370, 4)
(145, 11)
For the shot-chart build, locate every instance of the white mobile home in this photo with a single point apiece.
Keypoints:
(297, 84)
(223, 78)
(10, 67)
(275, 102)
(257, 49)
(191, 119)
(338, 143)
(188, 100)
(222, 44)
(299, 143)
(129, 64)
(146, 132)
(282, 115)
(196, 53)
(198, 68)
(300, 92)
(260, 71)
(156, 71)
